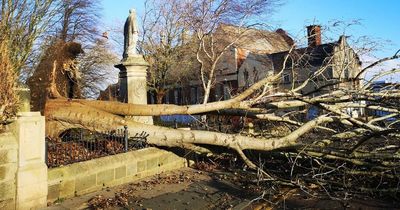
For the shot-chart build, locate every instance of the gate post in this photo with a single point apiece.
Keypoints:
(31, 177)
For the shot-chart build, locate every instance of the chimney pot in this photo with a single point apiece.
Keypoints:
(314, 35)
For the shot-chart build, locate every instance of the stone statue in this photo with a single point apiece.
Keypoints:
(130, 35)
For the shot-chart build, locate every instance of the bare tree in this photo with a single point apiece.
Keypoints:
(336, 135)
(21, 23)
(205, 20)
(96, 67)
(8, 99)
(182, 36)
(164, 46)
(78, 20)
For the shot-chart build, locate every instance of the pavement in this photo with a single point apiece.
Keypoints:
(182, 189)
(193, 189)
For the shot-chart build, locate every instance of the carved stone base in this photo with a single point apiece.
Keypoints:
(132, 80)
(136, 60)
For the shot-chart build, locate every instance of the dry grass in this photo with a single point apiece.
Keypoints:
(8, 95)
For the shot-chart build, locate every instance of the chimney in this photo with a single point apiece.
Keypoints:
(314, 35)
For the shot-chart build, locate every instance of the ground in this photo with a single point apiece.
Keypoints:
(184, 189)
(205, 189)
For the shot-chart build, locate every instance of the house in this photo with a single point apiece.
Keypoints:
(227, 83)
(327, 67)
(259, 53)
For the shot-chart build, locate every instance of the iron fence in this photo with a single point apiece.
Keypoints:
(81, 145)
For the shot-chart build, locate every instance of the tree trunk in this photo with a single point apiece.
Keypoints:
(76, 114)
(207, 92)
(159, 96)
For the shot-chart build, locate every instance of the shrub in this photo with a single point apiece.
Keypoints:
(8, 96)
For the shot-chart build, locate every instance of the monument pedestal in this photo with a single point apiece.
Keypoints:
(132, 81)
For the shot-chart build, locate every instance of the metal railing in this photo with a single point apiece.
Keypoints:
(81, 145)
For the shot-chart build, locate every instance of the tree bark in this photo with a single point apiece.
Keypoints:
(159, 96)
(77, 114)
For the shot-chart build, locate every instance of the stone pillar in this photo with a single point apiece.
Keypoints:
(31, 177)
(132, 84)
(24, 99)
(8, 170)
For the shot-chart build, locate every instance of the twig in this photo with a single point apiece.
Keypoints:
(252, 165)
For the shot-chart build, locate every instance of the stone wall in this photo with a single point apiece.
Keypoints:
(8, 169)
(23, 173)
(27, 183)
(89, 176)
(31, 176)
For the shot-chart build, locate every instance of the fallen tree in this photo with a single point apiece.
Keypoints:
(335, 136)
(335, 150)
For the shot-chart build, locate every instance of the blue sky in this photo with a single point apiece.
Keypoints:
(380, 20)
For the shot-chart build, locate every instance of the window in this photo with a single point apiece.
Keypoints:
(176, 97)
(227, 92)
(286, 78)
(171, 98)
(193, 95)
(218, 92)
(246, 78)
(255, 73)
(200, 95)
(150, 98)
(167, 98)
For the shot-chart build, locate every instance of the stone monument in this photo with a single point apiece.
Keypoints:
(133, 67)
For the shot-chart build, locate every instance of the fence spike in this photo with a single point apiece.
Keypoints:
(126, 137)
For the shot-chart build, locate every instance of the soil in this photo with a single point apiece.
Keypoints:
(213, 189)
